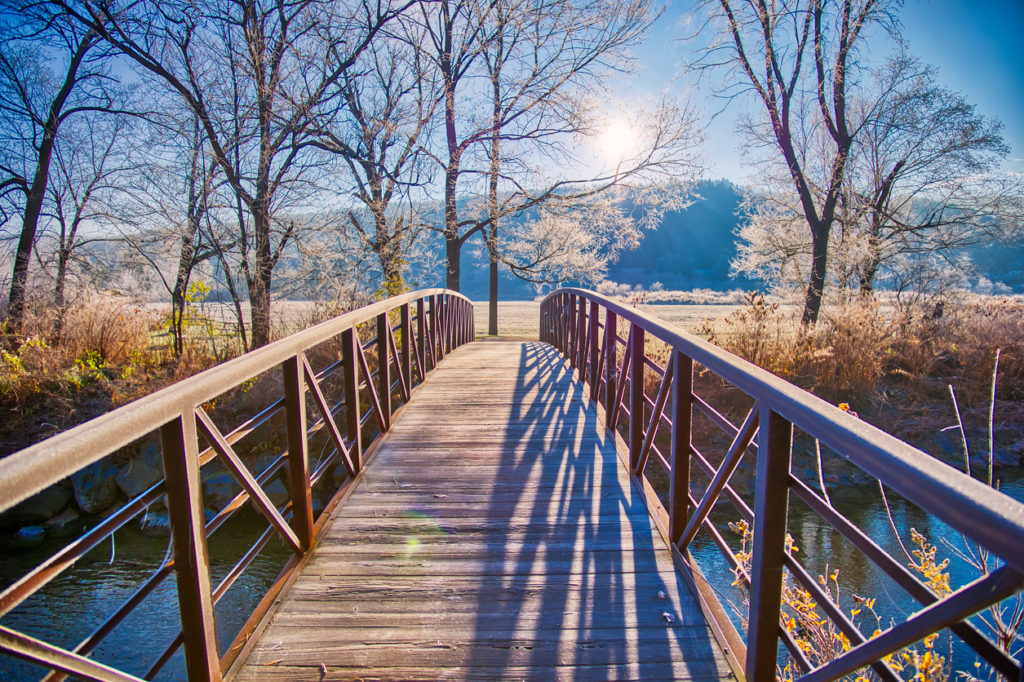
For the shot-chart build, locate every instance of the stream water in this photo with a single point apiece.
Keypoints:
(69, 608)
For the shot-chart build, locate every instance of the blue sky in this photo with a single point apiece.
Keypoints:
(977, 46)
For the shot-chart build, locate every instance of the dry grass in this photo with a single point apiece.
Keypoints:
(858, 349)
(894, 366)
(98, 354)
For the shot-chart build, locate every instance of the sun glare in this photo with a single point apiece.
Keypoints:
(617, 141)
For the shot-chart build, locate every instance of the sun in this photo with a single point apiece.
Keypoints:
(617, 141)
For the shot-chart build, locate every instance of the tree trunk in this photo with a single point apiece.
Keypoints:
(492, 188)
(492, 303)
(816, 281)
(59, 298)
(453, 249)
(452, 242)
(869, 266)
(186, 261)
(29, 226)
(37, 192)
(259, 286)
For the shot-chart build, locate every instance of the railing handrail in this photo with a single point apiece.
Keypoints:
(570, 319)
(984, 514)
(178, 416)
(28, 471)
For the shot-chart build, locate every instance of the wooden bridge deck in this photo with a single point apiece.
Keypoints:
(495, 535)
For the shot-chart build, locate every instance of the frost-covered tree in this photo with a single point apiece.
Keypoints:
(799, 58)
(921, 182)
(51, 70)
(255, 74)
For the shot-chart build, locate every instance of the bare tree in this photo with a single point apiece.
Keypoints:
(923, 170)
(172, 212)
(540, 61)
(920, 183)
(387, 105)
(89, 165)
(255, 73)
(35, 102)
(793, 56)
(534, 65)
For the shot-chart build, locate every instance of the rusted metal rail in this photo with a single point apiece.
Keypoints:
(585, 327)
(430, 324)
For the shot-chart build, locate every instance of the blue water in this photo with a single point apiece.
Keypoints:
(70, 607)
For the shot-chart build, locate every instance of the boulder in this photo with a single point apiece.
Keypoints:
(27, 537)
(277, 492)
(156, 524)
(142, 471)
(94, 486)
(219, 487)
(65, 525)
(260, 464)
(41, 507)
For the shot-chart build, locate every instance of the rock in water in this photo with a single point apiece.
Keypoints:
(65, 525)
(94, 486)
(277, 492)
(40, 507)
(219, 488)
(156, 524)
(141, 472)
(26, 538)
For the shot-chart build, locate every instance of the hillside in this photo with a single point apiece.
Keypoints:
(691, 249)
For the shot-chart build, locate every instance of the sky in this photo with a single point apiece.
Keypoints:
(977, 46)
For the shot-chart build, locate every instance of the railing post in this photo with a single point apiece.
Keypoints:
(682, 430)
(421, 338)
(566, 326)
(191, 558)
(571, 327)
(611, 322)
(446, 326)
(457, 329)
(406, 350)
(595, 380)
(449, 314)
(771, 504)
(384, 369)
(558, 314)
(350, 366)
(298, 457)
(581, 336)
(636, 397)
(437, 328)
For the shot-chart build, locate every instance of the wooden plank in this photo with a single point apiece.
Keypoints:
(438, 613)
(314, 646)
(640, 671)
(496, 535)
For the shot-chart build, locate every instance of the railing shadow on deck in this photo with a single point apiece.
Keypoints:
(584, 326)
(569, 582)
(354, 396)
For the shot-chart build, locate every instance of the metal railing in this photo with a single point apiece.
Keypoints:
(430, 324)
(584, 326)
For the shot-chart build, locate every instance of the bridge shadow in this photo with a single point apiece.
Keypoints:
(579, 583)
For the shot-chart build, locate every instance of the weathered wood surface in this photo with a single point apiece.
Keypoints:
(495, 536)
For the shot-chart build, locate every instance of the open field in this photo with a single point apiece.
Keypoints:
(521, 319)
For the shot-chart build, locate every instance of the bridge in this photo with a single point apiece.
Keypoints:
(516, 509)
